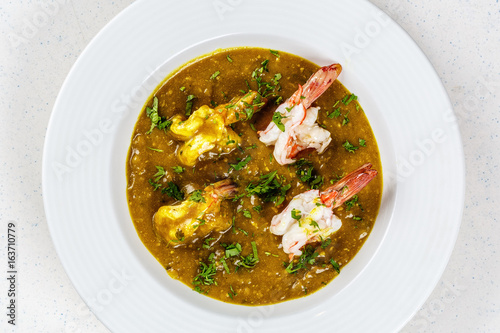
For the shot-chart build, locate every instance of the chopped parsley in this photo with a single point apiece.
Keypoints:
(296, 214)
(258, 208)
(232, 293)
(200, 222)
(189, 104)
(206, 274)
(349, 98)
(232, 250)
(156, 149)
(336, 112)
(154, 184)
(351, 203)
(226, 267)
(314, 224)
(247, 214)
(307, 174)
(173, 191)
(275, 80)
(206, 243)
(159, 175)
(269, 188)
(197, 196)
(275, 53)
(308, 257)
(326, 243)
(346, 119)
(178, 169)
(156, 120)
(349, 147)
(241, 164)
(229, 58)
(214, 75)
(335, 265)
(277, 116)
(265, 89)
(362, 143)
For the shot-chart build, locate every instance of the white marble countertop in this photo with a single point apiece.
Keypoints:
(461, 39)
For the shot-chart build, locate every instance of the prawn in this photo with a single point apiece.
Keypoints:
(309, 216)
(294, 127)
(207, 130)
(196, 216)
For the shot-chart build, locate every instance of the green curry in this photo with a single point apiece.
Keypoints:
(237, 259)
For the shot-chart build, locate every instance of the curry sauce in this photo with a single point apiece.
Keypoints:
(241, 261)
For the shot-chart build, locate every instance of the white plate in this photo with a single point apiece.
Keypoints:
(89, 133)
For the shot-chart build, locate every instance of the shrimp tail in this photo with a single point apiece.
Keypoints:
(347, 187)
(224, 189)
(316, 85)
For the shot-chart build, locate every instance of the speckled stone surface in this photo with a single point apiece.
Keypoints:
(40, 41)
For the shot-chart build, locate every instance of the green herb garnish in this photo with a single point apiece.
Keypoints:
(206, 273)
(173, 191)
(306, 173)
(296, 214)
(161, 172)
(349, 147)
(214, 75)
(156, 120)
(335, 265)
(241, 164)
(178, 169)
(189, 104)
(308, 257)
(269, 188)
(277, 120)
(197, 196)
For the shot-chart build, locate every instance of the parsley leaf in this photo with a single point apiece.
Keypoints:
(214, 75)
(156, 120)
(351, 203)
(197, 196)
(306, 173)
(308, 256)
(296, 214)
(269, 188)
(178, 169)
(349, 147)
(206, 273)
(161, 172)
(277, 116)
(154, 184)
(189, 104)
(241, 164)
(173, 191)
(335, 265)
